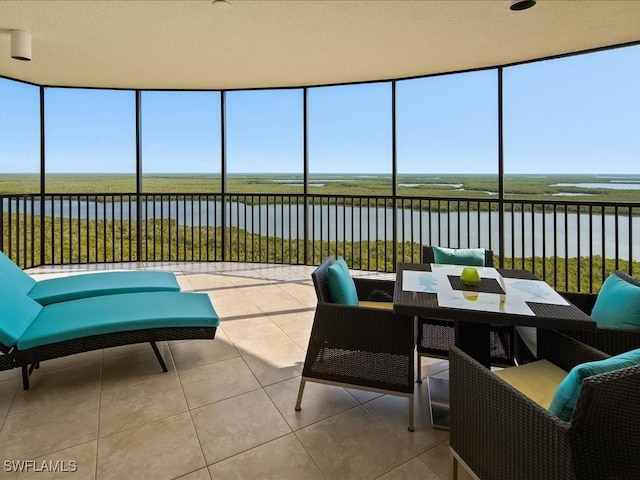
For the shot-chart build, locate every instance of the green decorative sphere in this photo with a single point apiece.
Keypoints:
(470, 276)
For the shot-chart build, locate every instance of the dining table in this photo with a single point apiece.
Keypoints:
(502, 296)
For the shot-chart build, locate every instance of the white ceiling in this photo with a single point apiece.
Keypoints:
(276, 43)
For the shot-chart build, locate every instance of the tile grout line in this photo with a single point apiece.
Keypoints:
(189, 410)
(13, 400)
(95, 472)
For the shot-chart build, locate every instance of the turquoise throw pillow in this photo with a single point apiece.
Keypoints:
(566, 396)
(342, 289)
(459, 256)
(617, 304)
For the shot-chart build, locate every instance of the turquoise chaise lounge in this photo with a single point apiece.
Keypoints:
(73, 287)
(31, 333)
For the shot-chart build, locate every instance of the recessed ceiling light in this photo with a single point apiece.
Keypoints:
(519, 4)
(220, 4)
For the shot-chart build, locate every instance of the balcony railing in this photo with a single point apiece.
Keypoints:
(571, 245)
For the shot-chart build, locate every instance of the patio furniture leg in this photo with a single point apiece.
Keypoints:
(416, 337)
(300, 392)
(411, 415)
(159, 357)
(25, 377)
(454, 468)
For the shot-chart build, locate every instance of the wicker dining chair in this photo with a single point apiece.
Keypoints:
(360, 347)
(609, 340)
(435, 337)
(499, 433)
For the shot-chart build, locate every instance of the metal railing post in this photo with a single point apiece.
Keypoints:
(223, 171)
(138, 178)
(394, 179)
(501, 238)
(42, 178)
(305, 174)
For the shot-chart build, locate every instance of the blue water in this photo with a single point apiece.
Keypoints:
(613, 186)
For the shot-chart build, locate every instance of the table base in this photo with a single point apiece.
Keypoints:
(474, 339)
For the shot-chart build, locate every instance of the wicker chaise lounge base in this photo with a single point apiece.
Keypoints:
(30, 359)
(30, 333)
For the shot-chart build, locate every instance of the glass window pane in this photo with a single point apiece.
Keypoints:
(447, 135)
(90, 140)
(350, 139)
(265, 141)
(575, 115)
(20, 138)
(180, 142)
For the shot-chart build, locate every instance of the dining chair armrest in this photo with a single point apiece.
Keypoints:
(604, 426)
(610, 340)
(344, 338)
(499, 432)
(564, 350)
(367, 328)
(584, 301)
(374, 289)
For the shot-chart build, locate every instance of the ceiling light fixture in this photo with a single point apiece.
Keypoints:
(522, 4)
(20, 45)
(220, 4)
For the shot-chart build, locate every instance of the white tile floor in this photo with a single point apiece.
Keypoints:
(225, 409)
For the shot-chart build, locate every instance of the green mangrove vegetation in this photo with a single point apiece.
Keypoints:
(483, 187)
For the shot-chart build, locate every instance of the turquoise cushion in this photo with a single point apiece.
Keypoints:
(118, 313)
(73, 287)
(17, 312)
(342, 289)
(617, 304)
(459, 256)
(566, 396)
(12, 274)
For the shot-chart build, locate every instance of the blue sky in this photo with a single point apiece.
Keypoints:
(572, 115)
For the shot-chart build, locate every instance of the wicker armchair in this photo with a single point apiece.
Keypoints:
(501, 434)
(436, 337)
(609, 340)
(360, 347)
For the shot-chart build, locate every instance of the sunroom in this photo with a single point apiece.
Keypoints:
(240, 143)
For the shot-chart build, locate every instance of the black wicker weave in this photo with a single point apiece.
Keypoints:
(436, 337)
(502, 435)
(359, 347)
(31, 358)
(6, 360)
(610, 340)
